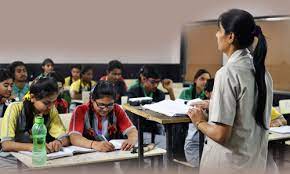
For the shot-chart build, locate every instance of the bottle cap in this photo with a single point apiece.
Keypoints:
(39, 120)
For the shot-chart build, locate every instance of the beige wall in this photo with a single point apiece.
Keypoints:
(136, 31)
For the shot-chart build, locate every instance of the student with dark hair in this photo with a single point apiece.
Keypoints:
(114, 75)
(6, 83)
(147, 84)
(47, 66)
(100, 118)
(191, 143)
(240, 107)
(63, 99)
(19, 117)
(196, 90)
(75, 73)
(85, 83)
(19, 73)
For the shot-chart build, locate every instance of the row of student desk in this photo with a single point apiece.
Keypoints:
(142, 115)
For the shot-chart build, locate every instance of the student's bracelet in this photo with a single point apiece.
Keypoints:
(197, 123)
(92, 144)
(59, 141)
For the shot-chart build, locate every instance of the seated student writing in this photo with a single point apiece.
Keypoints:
(114, 75)
(6, 83)
(75, 73)
(19, 73)
(100, 118)
(19, 116)
(47, 66)
(85, 83)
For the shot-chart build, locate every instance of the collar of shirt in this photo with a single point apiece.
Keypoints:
(236, 55)
(25, 87)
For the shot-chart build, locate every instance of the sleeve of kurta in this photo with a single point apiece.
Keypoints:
(223, 102)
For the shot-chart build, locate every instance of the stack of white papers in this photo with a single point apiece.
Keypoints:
(64, 152)
(169, 108)
(281, 130)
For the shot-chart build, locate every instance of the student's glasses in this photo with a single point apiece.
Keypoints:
(103, 105)
(154, 81)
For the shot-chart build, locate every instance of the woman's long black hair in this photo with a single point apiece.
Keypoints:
(243, 25)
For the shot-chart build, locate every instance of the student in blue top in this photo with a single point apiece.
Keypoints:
(189, 138)
(191, 145)
(19, 73)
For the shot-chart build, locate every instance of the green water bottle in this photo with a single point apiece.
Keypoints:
(39, 142)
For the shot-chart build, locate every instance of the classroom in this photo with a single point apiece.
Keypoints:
(145, 86)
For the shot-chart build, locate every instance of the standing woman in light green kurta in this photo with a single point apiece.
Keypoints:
(240, 107)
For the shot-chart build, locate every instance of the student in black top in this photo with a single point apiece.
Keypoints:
(114, 75)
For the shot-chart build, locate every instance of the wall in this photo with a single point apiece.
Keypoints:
(86, 31)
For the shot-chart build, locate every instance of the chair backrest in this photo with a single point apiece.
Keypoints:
(284, 106)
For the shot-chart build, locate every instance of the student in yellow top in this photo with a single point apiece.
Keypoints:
(277, 119)
(75, 73)
(18, 119)
(85, 83)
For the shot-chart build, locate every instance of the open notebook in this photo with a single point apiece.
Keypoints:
(281, 130)
(169, 108)
(71, 150)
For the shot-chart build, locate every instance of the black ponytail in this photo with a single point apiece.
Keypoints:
(243, 25)
(259, 54)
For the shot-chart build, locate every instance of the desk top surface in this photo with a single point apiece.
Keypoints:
(276, 136)
(154, 116)
(87, 158)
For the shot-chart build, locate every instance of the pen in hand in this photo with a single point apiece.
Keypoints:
(104, 138)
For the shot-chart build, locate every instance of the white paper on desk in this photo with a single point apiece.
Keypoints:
(169, 108)
(117, 143)
(64, 152)
(50, 156)
(194, 102)
(281, 130)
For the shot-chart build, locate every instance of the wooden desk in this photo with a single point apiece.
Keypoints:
(168, 122)
(88, 158)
